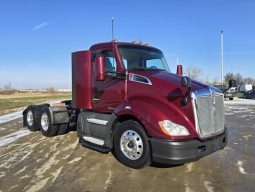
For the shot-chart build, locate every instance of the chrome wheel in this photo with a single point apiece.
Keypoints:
(30, 118)
(131, 145)
(45, 121)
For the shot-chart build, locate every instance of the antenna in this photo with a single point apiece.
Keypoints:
(112, 29)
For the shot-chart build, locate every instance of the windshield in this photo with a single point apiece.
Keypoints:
(142, 58)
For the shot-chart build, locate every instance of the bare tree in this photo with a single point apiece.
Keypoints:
(194, 72)
(51, 90)
(248, 80)
(228, 77)
(239, 79)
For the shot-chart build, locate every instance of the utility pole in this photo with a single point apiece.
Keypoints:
(222, 56)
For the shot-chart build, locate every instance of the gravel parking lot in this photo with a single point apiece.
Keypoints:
(32, 162)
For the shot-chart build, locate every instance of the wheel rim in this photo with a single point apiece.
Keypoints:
(45, 121)
(30, 118)
(131, 145)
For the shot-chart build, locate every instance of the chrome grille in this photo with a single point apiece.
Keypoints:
(208, 108)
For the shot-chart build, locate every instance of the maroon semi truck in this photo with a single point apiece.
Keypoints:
(126, 100)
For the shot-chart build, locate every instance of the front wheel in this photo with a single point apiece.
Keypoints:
(131, 145)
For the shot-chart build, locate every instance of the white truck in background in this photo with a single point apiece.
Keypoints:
(244, 88)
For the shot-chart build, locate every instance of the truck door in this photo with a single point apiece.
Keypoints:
(108, 93)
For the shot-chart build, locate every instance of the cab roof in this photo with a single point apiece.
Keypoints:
(116, 43)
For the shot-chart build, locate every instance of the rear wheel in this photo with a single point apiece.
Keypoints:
(45, 122)
(30, 119)
(131, 145)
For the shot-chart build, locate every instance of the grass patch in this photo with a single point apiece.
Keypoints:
(17, 100)
(240, 95)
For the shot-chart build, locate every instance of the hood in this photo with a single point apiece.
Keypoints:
(170, 78)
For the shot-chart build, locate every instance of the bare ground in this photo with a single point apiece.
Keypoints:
(36, 163)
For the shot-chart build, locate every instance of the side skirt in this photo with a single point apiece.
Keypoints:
(100, 148)
(95, 130)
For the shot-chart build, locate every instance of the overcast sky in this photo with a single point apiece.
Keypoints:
(38, 36)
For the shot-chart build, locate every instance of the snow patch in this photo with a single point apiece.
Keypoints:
(245, 116)
(56, 174)
(108, 181)
(22, 170)
(247, 136)
(229, 113)
(2, 174)
(189, 167)
(47, 165)
(18, 114)
(240, 102)
(13, 137)
(187, 188)
(208, 186)
(10, 117)
(14, 186)
(66, 156)
(240, 167)
(38, 186)
(75, 160)
(25, 176)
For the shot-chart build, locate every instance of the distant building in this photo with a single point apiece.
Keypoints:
(28, 90)
(64, 90)
(44, 90)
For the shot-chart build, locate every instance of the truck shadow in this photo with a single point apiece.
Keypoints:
(153, 164)
(161, 165)
(71, 129)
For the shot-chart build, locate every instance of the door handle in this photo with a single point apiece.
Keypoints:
(95, 99)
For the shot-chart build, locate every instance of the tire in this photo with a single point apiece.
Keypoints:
(131, 135)
(30, 119)
(231, 98)
(45, 123)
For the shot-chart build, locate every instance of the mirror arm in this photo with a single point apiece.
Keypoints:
(121, 75)
(186, 82)
(185, 99)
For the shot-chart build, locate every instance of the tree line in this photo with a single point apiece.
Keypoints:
(239, 79)
(195, 72)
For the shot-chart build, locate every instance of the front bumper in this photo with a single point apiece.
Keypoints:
(179, 152)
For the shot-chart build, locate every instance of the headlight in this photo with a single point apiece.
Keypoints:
(173, 129)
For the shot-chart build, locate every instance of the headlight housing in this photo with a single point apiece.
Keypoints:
(173, 129)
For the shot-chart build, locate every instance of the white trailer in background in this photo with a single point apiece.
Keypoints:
(245, 87)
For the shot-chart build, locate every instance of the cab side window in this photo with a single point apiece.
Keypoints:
(110, 63)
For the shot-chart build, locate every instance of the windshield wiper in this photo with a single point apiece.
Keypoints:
(137, 68)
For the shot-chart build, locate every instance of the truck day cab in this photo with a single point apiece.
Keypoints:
(125, 100)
